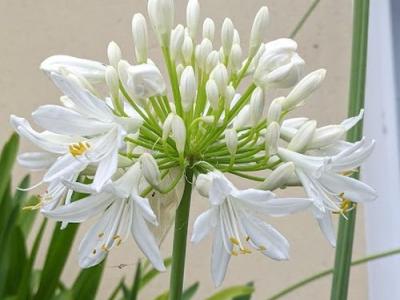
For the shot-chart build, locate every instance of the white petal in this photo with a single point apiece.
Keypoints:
(62, 120)
(36, 161)
(326, 226)
(220, 258)
(351, 122)
(146, 241)
(144, 206)
(220, 189)
(64, 165)
(203, 225)
(295, 123)
(106, 168)
(81, 210)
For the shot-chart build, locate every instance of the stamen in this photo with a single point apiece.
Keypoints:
(101, 235)
(78, 148)
(234, 253)
(94, 251)
(104, 248)
(234, 241)
(262, 248)
(245, 251)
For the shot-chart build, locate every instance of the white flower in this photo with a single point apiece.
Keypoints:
(193, 17)
(258, 29)
(92, 71)
(139, 32)
(208, 29)
(161, 13)
(122, 210)
(232, 216)
(188, 88)
(324, 183)
(145, 81)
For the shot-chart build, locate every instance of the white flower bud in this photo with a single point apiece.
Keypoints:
(208, 119)
(229, 95)
(258, 29)
(256, 106)
(256, 59)
(326, 136)
(202, 52)
(179, 133)
(150, 169)
(193, 17)
(227, 33)
(112, 81)
(303, 137)
(272, 138)
(231, 140)
(187, 50)
(203, 184)
(145, 81)
(220, 75)
(208, 29)
(243, 118)
(304, 89)
(177, 38)
(179, 70)
(278, 177)
(275, 110)
(235, 58)
(212, 61)
(114, 54)
(236, 37)
(167, 126)
(212, 93)
(161, 13)
(188, 88)
(140, 38)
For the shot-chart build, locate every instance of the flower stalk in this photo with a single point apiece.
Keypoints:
(344, 248)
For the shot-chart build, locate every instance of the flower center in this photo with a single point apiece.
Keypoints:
(78, 148)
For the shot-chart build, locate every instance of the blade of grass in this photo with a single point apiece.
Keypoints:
(88, 282)
(7, 159)
(304, 19)
(136, 282)
(150, 275)
(232, 292)
(189, 293)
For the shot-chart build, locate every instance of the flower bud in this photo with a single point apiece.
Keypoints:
(161, 13)
(326, 135)
(256, 106)
(179, 71)
(231, 140)
(208, 119)
(258, 29)
(278, 177)
(150, 169)
(187, 50)
(272, 138)
(208, 29)
(167, 127)
(114, 54)
(236, 37)
(235, 58)
(145, 81)
(212, 94)
(203, 184)
(179, 133)
(243, 118)
(303, 137)
(229, 95)
(177, 38)
(202, 52)
(274, 111)
(188, 88)
(140, 38)
(227, 36)
(193, 17)
(112, 81)
(304, 89)
(212, 61)
(220, 75)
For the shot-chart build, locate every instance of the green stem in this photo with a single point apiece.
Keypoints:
(344, 248)
(180, 237)
(330, 271)
(304, 18)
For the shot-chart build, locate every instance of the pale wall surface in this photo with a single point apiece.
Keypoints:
(32, 30)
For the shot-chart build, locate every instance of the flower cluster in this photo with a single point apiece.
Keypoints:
(127, 139)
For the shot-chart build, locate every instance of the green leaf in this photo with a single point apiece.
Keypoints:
(64, 295)
(190, 291)
(163, 296)
(232, 292)
(136, 282)
(7, 159)
(27, 217)
(150, 275)
(245, 297)
(115, 292)
(87, 283)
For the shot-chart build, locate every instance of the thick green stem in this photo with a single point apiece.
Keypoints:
(180, 238)
(344, 248)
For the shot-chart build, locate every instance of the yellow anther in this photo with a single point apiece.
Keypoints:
(101, 235)
(247, 238)
(234, 253)
(33, 207)
(78, 148)
(94, 251)
(245, 251)
(262, 248)
(104, 248)
(118, 239)
(234, 240)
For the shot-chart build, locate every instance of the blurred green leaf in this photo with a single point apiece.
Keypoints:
(232, 292)
(65, 295)
(87, 283)
(150, 275)
(163, 296)
(245, 297)
(190, 291)
(136, 282)
(27, 217)
(115, 292)
(7, 158)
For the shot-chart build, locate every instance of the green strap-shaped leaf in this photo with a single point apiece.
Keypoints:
(150, 275)
(245, 297)
(232, 292)
(27, 217)
(115, 292)
(7, 159)
(163, 296)
(136, 282)
(190, 291)
(88, 282)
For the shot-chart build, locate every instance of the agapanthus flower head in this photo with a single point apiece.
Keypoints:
(124, 132)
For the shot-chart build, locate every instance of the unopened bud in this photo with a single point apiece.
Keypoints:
(220, 75)
(114, 54)
(202, 52)
(256, 106)
(212, 94)
(177, 38)
(213, 60)
(278, 177)
(208, 29)
(193, 17)
(161, 13)
(326, 135)
(258, 29)
(227, 36)
(203, 184)
(187, 50)
(150, 169)
(231, 140)
(235, 58)
(303, 137)
(274, 111)
(229, 95)
(179, 133)
(236, 37)
(272, 138)
(188, 88)
(140, 38)
(167, 127)
(145, 81)
(179, 71)
(112, 81)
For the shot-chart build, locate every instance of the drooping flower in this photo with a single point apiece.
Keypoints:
(233, 218)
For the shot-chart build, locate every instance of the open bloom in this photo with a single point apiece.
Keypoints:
(233, 217)
(122, 210)
(324, 181)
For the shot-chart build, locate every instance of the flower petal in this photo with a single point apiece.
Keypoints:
(220, 257)
(220, 189)
(203, 225)
(36, 161)
(64, 165)
(326, 226)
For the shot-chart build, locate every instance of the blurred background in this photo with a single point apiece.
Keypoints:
(30, 31)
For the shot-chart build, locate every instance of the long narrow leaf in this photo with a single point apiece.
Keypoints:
(232, 292)
(245, 297)
(136, 282)
(26, 218)
(7, 159)
(190, 291)
(88, 282)
(150, 275)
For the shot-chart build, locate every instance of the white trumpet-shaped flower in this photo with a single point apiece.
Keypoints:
(145, 81)
(122, 210)
(232, 217)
